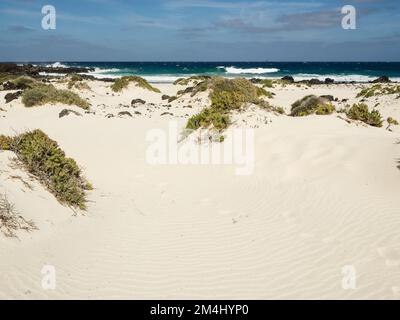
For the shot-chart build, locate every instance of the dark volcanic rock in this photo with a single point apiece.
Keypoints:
(329, 81)
(288, 79)
(9, 86)
(315, 81)
(383, 79)
(328, 97)
(32, 70)
(125, 113)
(12, 96)
(167, 114)
(12, 86)
(67, 112)
(8, 67)
(165, 97)
(137, 101)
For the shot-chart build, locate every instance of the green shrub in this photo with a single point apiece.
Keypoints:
(391, 122)
(209, 117)
(360, 112)
(325, 109)
(24, 82)
(267, 83)
(378, 90)
(42, 157)
(122, 83)
(280, 110)
(200, 87)
(43, 94)
(4, 77)
(77, 81)
(262, 92)
(311, 104)
(186, 81)
(226, 95)
(5, 142)
(231, 94)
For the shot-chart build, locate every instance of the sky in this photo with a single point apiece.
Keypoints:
(199, 30)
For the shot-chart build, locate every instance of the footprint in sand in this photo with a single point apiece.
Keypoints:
(391, 256)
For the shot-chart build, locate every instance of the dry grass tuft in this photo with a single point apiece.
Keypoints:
(11, 221)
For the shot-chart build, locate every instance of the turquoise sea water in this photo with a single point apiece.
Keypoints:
(170, 71)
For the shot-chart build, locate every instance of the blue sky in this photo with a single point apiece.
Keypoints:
(199, 30)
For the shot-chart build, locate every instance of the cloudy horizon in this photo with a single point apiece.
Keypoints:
(199, 30)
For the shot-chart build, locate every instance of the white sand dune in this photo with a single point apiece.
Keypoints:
(324, 195)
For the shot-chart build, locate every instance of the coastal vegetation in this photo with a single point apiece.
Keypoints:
(379, 90)
(186, 81)
(312, 104)
(207, 117)
(122, 83)
(361, 112)
(41, 94)
(391, 122)
(226, 95)
(10, 220)
(42, 157)
(279, 110)
(76, 81)
(24, 82)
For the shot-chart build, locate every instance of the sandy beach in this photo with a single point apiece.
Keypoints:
(322, 198)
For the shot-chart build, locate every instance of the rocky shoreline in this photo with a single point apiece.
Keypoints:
(38, 71)
(31, 70)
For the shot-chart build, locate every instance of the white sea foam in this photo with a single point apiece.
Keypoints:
(339, 78)
(56, 65)
(163, 78)
(100, 70)
(234, 70)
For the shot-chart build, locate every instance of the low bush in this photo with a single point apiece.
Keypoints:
(325, 109)
(186, 81)
(311, 104)
(43, 158)
(226, 95)
(209, 117)
(43, 94)
(24, 82)
(232, 94)
(267, 83)
(279, 110)
(360, 112)
(122, 83)
(5, 142)
(77, 81)
(378, 90)
(391, 122)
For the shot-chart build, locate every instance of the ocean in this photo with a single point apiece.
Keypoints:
(165, 72)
